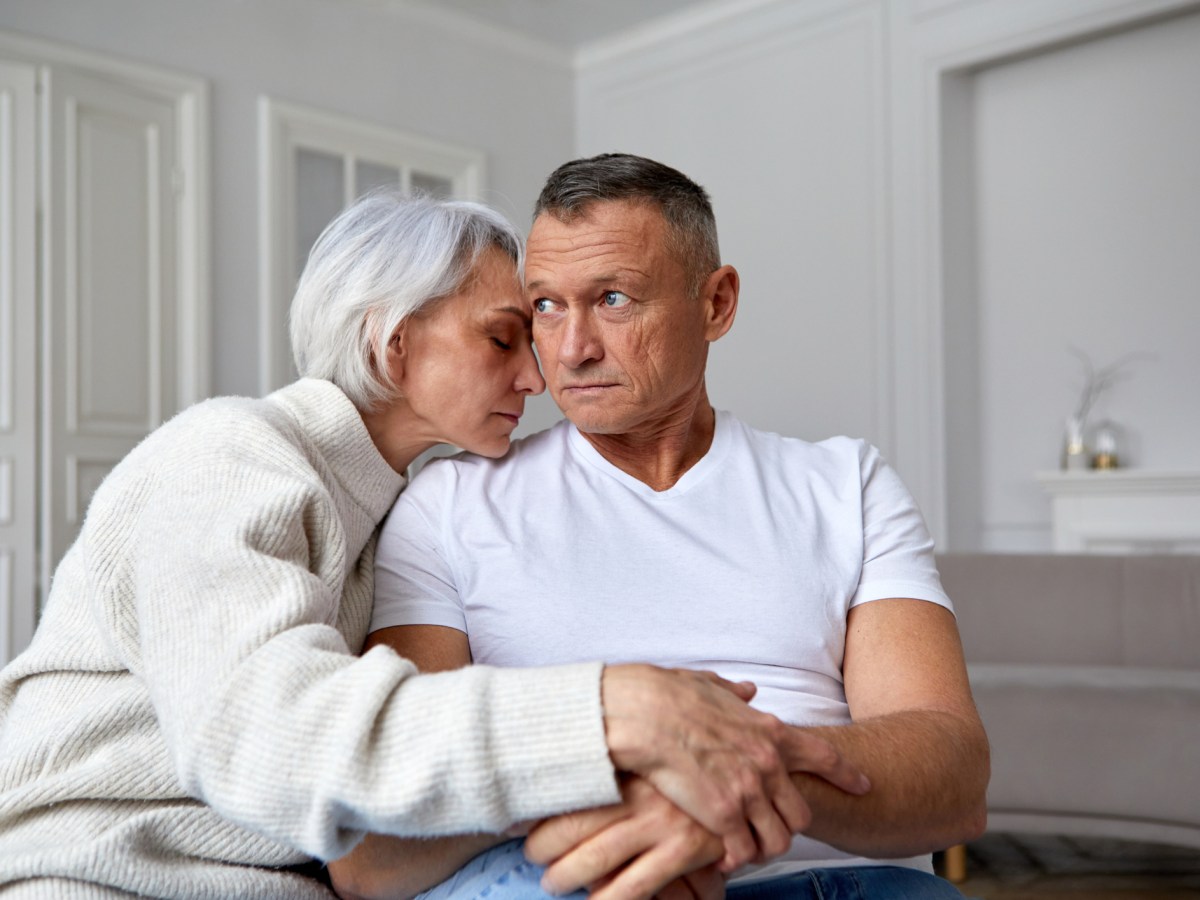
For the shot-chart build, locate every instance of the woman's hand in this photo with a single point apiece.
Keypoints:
(692, 735)
(643, 847)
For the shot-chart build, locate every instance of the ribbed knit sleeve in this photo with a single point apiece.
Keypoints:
(238, 558)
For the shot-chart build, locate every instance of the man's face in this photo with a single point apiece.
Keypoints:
(622, 342)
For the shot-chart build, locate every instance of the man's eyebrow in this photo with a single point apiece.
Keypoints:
(603, 278)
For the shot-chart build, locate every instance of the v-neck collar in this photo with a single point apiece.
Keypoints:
(715, 455)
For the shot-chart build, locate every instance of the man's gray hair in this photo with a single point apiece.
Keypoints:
(382, 260)
(573, 187)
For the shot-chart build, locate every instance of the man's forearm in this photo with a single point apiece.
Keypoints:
(929, 772)
(391, 868)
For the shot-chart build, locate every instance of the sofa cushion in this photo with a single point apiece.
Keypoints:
(1141, 611)
(1092, 740)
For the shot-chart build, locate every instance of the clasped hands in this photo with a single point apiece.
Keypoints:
(706, 788)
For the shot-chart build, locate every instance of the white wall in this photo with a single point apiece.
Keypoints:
(839, 139)
(1087, 182)
(868, 161)
(366, 60)
(780, 116)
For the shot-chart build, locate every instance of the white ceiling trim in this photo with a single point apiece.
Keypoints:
(463, 25)
(467, 27)
(665, 28)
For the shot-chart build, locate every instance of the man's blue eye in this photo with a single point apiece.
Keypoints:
(615, 299)
(541, 305)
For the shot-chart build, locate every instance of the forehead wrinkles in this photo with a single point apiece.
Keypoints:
(601, 249)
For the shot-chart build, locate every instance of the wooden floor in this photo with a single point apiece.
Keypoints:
(1041, 867)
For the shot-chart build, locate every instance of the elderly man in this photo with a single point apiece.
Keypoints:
(651, 527)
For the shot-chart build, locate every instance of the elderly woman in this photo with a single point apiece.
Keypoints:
(192, 718)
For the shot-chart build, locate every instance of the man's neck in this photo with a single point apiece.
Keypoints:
(659, 455)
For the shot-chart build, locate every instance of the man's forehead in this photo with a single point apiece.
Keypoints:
(610, 230)
(607, 215)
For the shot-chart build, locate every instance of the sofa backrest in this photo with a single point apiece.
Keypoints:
(1082, 610)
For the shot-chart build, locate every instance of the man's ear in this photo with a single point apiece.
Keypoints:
(720, 297)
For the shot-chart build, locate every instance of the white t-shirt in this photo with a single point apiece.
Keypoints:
(747, 566)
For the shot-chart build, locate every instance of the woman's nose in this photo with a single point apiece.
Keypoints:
(529, 377)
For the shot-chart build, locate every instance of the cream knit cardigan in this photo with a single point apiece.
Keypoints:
(192, 713)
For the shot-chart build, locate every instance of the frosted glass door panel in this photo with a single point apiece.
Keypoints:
(433, 185)
(317, 164)
(369, 175)
(320, 195)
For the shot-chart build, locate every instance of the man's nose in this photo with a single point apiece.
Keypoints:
(581, 342)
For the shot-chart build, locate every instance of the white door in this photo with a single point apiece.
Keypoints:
(18, 355)
(111, 294)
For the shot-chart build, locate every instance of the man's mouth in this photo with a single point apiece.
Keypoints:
(594, 386)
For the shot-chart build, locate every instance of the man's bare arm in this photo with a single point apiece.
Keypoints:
(391, 868)
(916, 734)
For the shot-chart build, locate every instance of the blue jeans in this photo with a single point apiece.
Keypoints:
(503, 873)
(849, 883)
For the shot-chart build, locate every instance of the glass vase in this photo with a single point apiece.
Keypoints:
(1075, 456)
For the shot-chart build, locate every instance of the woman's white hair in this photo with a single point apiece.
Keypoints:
(382, 260)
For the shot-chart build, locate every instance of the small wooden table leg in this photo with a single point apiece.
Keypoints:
(956, 863)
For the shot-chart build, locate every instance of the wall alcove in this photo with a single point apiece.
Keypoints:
(1070, 214)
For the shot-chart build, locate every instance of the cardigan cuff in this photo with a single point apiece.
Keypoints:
(549, 742)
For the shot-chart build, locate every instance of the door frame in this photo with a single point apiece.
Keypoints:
(188, 99)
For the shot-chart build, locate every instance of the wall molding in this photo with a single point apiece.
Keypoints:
(712, 33)
(8, 293)
(686, 23)
(1120, 481)
(10, 633)
(18, 352)
(6, 490)
(933, 46)
(83, 476)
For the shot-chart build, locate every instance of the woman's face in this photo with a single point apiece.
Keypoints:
(466, 366)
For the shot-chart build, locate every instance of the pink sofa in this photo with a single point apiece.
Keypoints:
(1086, 671)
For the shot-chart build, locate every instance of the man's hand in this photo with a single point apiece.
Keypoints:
(692, 736)
(642, 847)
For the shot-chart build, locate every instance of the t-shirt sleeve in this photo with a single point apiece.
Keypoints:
(898, 556)
(414, 578)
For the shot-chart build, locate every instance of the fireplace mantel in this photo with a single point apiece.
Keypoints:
(1124, 511)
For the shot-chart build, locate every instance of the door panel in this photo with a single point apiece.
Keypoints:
(111, 297)
(18, 357)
